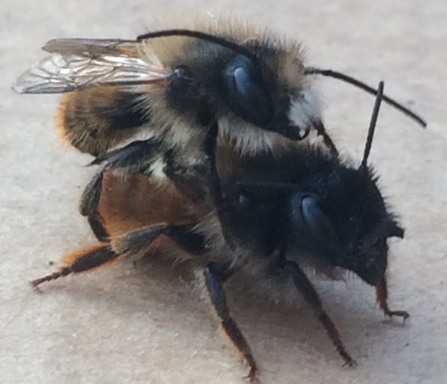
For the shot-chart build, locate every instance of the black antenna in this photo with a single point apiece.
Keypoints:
(202, 36)
(366, 88)
(372, 124)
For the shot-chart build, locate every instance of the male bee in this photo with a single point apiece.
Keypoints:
(182, 88)
(301, 207)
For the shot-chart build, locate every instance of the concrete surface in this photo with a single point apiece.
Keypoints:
(148, 324)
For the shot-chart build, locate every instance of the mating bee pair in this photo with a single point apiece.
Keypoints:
(209, 151)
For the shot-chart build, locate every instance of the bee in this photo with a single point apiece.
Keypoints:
(302, 207)
(183, 90)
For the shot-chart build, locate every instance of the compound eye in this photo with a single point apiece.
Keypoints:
(319, 225)
(242, 92)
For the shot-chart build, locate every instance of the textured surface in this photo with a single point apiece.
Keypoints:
(148, 325)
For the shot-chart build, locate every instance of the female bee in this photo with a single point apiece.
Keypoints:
(301, 207)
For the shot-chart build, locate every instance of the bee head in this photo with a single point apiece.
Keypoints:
(345, 223)
(365, 226)
(258, 82)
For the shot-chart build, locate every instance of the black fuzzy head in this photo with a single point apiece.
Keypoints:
(320, 207)
(346, 222)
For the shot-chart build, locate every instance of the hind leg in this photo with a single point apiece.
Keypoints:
(99, 255)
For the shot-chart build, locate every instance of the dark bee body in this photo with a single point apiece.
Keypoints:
(219, 176)
(301, 208)
(259, 100)
(260, 191)
(96, 119)
(184, 89)
(277, 96)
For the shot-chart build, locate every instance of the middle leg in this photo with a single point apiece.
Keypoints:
(215, 276)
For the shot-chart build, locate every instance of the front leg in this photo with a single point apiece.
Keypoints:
(305, 287)
(382, 300)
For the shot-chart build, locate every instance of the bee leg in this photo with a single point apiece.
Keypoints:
(321, 131)
(215, 276)
(134, 242)
(202, 185)
(214, 185)
(89, 207)
(81, 260)
(131, 159)
(98, 255)
(190, 184)
(311, 296)
(382, 300)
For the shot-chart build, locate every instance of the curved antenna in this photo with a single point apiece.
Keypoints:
(202, 36)
(372, 124)
(366, 88)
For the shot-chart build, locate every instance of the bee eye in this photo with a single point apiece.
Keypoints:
(317, 223)
(242, 92)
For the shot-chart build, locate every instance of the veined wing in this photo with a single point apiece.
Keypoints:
(81, 63)
(92, 47)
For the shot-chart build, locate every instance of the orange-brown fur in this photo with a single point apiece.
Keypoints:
(135, 202)
(79, 123)
(77, 254)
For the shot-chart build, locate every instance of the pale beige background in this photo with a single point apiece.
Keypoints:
(147, 324)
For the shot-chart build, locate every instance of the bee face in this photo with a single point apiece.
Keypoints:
(361, 222)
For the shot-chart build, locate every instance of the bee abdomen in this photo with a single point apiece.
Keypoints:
(97, 119)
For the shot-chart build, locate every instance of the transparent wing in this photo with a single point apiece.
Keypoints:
(92, 46)
(81, 63)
